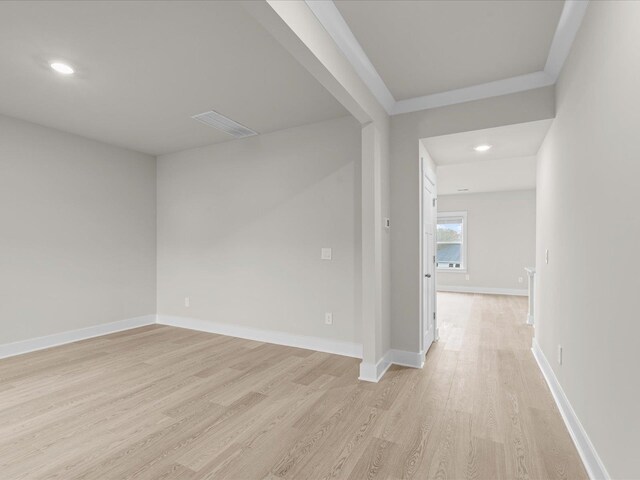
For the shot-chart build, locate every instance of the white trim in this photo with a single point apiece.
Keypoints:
(40, 343)
(568, 25)
(370, 372)
(338, 347)
(475, 92)
(592, 462)
(407, 359)
(483, 290)
(334, 23)
(373, 373)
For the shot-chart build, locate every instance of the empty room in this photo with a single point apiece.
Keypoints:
(312, 239)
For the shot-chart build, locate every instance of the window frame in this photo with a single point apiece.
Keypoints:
(463, 250)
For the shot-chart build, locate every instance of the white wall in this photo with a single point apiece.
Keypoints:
(588, 199)
(241, 225)
(501, 239)
(77, 232)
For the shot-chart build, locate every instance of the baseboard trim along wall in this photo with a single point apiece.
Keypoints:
(56, 339)
(484, 290)
(370, 372)
(338, 347)
(590, 458)
(407, 359)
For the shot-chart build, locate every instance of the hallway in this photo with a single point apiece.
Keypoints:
(499, 420)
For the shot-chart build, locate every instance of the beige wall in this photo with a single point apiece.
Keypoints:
(588, 198)
(77, 232)
(501, 239)
(241, 225)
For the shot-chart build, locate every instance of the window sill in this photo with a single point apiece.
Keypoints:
(451, 270)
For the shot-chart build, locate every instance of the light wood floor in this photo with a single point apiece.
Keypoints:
(165, 403)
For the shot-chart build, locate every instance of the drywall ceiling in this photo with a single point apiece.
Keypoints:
(518, 140)
(510, 164)
(426, 47)
(488, 176)
(143, 68)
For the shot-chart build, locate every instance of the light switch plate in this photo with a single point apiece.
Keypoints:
(560, 354)
(325, 253)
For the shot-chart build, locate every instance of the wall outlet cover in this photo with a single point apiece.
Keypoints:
(328, 318)
(325, 253)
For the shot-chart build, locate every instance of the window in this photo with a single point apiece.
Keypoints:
(451, 239)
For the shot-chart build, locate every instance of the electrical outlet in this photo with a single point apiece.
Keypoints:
(467, 276)
(187, 302)
(520, 279)
(560, 354)
(546, 256)
(325, 253)
(328, 318)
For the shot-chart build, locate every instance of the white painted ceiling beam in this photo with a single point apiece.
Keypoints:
(329, 16)
(298, 30)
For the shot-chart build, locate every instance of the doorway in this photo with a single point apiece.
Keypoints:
(429, 216)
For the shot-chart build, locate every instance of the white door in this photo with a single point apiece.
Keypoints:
(428, 264)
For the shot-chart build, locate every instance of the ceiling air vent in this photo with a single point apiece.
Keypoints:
(215, 120)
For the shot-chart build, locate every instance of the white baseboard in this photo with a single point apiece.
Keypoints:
(338, 347)
(590, 458)
(484, 290)
(40, 343)
(407, 359)
(370, 372)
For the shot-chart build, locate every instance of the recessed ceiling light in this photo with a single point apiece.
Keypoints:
(482, 148)
(62, 68)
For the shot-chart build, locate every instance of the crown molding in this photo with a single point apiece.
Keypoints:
(334, 23)
(330, 18)
(568, 25)
(520, 83)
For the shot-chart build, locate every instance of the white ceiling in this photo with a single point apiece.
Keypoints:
(509, 165)
(145, 67)
(488, 176)
(425, 47)
(519, 140)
